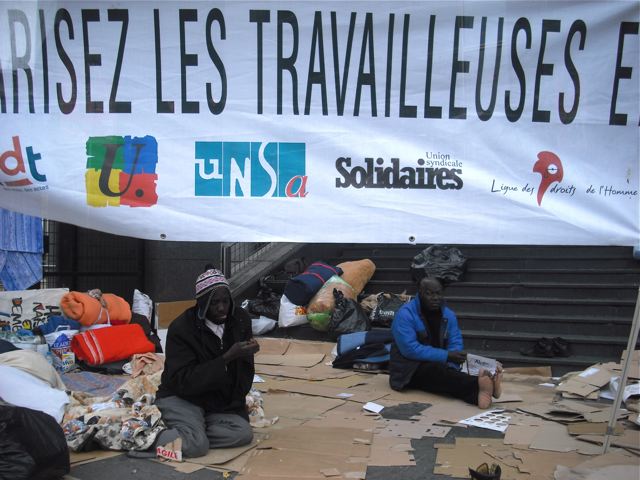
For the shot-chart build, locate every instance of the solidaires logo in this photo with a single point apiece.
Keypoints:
(250, 169)
(121, 171)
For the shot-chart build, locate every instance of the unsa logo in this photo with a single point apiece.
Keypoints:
(250, 169)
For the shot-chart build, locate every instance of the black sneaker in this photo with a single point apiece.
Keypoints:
(561, 347)
(542, 348)
(486, 472)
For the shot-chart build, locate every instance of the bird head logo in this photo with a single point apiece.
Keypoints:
(549, 167)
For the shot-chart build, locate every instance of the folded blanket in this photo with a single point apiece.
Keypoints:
(89, 310)
(357, 273)
(110, 344)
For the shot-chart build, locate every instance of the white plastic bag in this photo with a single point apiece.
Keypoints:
(142, 304)
(262, 325)
(50, 338)
(291, 315)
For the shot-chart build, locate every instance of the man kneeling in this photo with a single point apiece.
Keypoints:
(208, 372)
(427, 351)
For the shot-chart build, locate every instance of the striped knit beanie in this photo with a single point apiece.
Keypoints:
(209, 281)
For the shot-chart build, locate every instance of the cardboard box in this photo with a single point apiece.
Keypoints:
(167, 312)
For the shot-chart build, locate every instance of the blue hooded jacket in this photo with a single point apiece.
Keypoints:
(412, 344)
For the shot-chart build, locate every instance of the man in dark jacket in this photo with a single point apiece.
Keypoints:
(208, 371)
(427, 351)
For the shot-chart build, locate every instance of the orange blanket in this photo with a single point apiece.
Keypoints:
(88, 310)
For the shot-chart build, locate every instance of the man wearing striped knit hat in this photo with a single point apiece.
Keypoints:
(208, 372)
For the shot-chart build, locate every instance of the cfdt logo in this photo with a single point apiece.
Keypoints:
(250, 169)
(549, 167)
(121, 171)
(15, 171)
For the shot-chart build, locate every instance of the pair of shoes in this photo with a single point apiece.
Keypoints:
(561, 347)
(542, 348)
(486, 472)
(548, 348)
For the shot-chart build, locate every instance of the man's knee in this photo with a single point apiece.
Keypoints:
(245, 435)
(195, 445)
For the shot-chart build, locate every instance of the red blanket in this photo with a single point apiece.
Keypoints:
(110, 344)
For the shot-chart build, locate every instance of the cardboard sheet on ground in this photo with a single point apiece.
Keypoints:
(273, 346)
(391, 451)
(319, 441)
(348, 415)
(296, 406)
(297, 347)
(317, 372)
(554, 437)
(409, 429)
(575, 387)
(304, 452)
(80, 458)
(591, 428)
(295, 465)
(541, 464)
(288, 360)
(550, 412)
(220, 456)
(629, 439)
(182, 467)
(596, 375)
(544, 371)
(600, 468)
(450, 410)
(455, 459)
(317, 389)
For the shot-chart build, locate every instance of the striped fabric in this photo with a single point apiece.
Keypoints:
(21, 249)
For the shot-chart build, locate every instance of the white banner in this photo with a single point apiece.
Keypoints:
(498, 122)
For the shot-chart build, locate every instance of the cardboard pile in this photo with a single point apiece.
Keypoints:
(322, 426)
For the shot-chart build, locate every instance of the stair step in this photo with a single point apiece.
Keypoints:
(559, 365)
(541, 306)
(519, 341)
(552, 325)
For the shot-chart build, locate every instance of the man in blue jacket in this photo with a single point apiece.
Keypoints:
(427, 351)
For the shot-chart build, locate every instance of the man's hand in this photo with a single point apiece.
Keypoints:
(241, 349)
(457, 356)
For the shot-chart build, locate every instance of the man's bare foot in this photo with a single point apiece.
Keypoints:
(497, 382)
(485, 390)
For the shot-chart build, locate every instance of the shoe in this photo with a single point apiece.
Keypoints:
(561, 347)
(486, 472)
(542, 348)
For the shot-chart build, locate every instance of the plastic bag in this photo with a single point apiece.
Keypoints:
(347, 316)
(324, 300)
(262, 325)
(439, 261)
(33, 445)
(266, 303)
(142, 304)
(290, 314)
(383, 313)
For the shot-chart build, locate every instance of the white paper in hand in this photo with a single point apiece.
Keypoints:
(476, 362)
